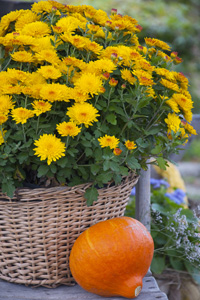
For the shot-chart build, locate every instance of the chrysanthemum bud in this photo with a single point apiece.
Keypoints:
(117, 151)
(139, 27)
(106, 75)
(113, 56)
(113, 11)
(113, 82)
(123, 86)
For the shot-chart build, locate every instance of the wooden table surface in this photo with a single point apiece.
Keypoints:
(12, 291)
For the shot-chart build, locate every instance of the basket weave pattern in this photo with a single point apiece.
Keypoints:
(39, 227)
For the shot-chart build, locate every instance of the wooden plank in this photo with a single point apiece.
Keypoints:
(12, 291)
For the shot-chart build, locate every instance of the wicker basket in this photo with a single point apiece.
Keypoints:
(38, 228)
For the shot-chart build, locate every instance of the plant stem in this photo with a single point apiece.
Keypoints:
(38, 121)
(24, 133)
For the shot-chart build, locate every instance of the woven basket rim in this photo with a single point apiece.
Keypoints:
(19, 192)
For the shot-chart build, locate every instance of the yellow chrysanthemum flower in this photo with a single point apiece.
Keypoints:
(16, 39)
(79, 96)
(144, 65)
(22, 56)
(68, 129)
(80, 42)
(33, 79)
(99, 66)
(170, 85)
(123, 22)
(43, 43)
(157, 43)
(126, 75)
(108, 141)
(36, 29)
(41, 107)
(25, 18)
(43, 6)
(188, 115)
(73, 61)
(21, 115)
(11, 90)
(68, 24)
(3, 118)
(15, 76)
(49, 56)
(180, 77)
(170, 75)
(98, 16)
(144, 78)
(2, 133)
(173, 122)
(190, 128)
(7, 19)
(150, 92)
(130, 145)
(89, 83)
(183, 102)
(173, 105)
(49, 72)
(55, 92)
(6, 104)
(94, 47)
(49, 147)
(83, 113)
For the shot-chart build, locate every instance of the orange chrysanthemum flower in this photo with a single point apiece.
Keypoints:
(130, 145)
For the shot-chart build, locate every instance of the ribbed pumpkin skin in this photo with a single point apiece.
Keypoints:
(111, 257)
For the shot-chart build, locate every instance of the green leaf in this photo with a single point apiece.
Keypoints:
(86, 143)
(160, 240)
(23, 156)
(142, 143)
(62, 162)
(176, 263)
(104, 177)
(88, 152)
(161, 163)
(95, 169)
(132, 162)
(158, 264)
(123, 170)
(111, 118)
(153, 131)
(43, 170)
(53, 168)
(106, 165)
(156, 150)
(114, 166)
(8, 188)
(91, 195)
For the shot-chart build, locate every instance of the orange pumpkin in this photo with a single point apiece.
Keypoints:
(111, 257)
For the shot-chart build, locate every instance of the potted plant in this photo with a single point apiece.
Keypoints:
(83, 106)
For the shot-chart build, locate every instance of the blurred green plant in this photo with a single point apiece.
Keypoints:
(193, 152)
(175, 231)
